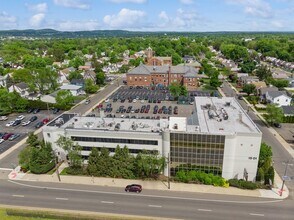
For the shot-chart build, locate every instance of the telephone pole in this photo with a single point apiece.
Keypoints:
(285, 175)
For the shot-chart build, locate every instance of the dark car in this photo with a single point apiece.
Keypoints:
(13, 137)
(6, 136)
(133, 188)
(36, 110)
(277, 125)
(16, 122)
(56, 110)
(34, 118)
(30, 110)
(2, 135)
(39, 124)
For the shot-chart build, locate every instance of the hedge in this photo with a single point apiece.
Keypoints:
(242, 184)
(38, 104)
(288, 119)
(39, 169)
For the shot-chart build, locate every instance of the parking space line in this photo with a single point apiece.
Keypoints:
(155, 206)
(256, 214)
(61, 198)
(107, 202)
(204, 210)
(20, 196)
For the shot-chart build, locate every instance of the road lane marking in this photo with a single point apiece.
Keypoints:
(107, 202)
(155, 206)
(20, 196)
(61, 198)
(142, 195)
(204, 210)
(5, 169)
(255, 214)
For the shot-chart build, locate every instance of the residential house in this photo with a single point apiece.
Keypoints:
(188, 59)
(259, 84)
(291, 82)
(278, 97)
(21, 88)
(90, 74)
(145, 75)
(84, 68)
(288, 110)
(3, 80)
(74, 89)
(247, 80)
(78, 82)
(279, 75)
(261, 92)
(239, 75)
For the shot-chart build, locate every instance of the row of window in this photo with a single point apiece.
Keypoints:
(197, 138)
(114, 140)
(132, 151)
(197, 144)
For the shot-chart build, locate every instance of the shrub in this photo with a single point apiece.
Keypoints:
(38, 104)
(243, 184)
(74, 171)
(39, 169)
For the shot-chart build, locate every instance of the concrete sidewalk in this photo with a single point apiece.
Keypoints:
(154, 185)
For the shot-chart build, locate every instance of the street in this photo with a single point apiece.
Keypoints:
(280, 155)
(154, 203)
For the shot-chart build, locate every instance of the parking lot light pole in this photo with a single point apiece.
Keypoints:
(168, 172)
(284, 177)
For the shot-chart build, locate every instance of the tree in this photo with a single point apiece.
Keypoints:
(90, 87)
(76, 62)
(175, 89)
(74, 75)
(274, 114)
(214, 81)
(73, 151)
(260, 174)
(100, 78)
(64, 99)
(264, 153)
(263, 73)
(249, 88)
(184, 91)
(32, 140)
(93, 161)
(24, 158)
(280, 83)
(248, 66)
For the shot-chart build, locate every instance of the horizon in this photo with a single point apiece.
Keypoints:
(149, 15)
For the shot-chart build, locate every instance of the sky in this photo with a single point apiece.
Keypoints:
(148, 15)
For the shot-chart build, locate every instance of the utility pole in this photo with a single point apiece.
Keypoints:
(56, 166)
(284, 177)
(168, 172)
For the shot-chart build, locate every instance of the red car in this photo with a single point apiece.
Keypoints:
(100, 105)
(45, 121)
(6, 136)
(133, 188)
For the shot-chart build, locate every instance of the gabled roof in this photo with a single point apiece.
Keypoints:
(288, 110)
(70, 87)
(22, 85)
(275, 94)
(264, 90)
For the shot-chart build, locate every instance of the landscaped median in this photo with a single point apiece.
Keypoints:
(50, 214)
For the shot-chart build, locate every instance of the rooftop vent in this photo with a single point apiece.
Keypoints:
(228, 104)
(175, 126)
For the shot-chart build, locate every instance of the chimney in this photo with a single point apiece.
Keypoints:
(168, 74)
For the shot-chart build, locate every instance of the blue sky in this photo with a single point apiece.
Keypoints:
(149, 15)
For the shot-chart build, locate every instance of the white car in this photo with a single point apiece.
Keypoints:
(9, 124)
(20, 117)
(142, 101)
(1, 141)
(107, 100)
(25, 123)
(135, 100)
(3, 118)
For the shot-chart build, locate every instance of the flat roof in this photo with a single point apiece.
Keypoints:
(116, 124)
(222, 115)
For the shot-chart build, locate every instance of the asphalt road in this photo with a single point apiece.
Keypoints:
(149, 203)
(280, 155)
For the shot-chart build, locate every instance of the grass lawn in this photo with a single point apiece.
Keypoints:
(5, 216)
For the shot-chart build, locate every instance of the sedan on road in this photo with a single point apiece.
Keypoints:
(133, 188)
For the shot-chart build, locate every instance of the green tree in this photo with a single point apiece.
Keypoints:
(263, 73)
(264, 153)
(24, 158)
(122, 163)
(100, 78)
(64, 99)
(32, 140)
(184, 91)
(93, 160)
(260, 175)
(74, 75)
(249, 88)
(214, 81)
(280, 83)
(76, 62)
(274, 114)
(90, 87)
(175, 89)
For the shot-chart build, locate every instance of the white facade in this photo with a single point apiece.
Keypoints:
(74, 89)
(282, 100)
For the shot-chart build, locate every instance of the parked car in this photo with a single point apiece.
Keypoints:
(45, 121)
(30, 110)
(56, 110)
(1, 141)
(6, 136)
(13, 137)
(87, 101)
(9, 124)
(277, 125)
(20, 117)
(36, 110)
(34, 118)
(106, 100)
(2, 134)
(39, 124)
(25, 123)
(3, 118)
(16, 122)
(134, 188)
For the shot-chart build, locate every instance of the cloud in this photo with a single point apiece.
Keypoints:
(36, 20)
(78, 25)
(187, 2)
(80, 4)
(182, 20)
(7, 21)
(129, 1)
(277, 24)
(126, 18)
(41, 7)
(257, 8)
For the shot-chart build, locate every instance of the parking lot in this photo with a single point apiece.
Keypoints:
(145, 103)
(20, 129)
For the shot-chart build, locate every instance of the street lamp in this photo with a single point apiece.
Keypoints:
(285, 177)
(56, 164)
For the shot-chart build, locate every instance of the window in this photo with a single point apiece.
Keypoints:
(114, 140)
(48, 135)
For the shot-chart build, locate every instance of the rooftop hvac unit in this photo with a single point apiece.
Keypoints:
(211, 114)
(228, 104)
(175, 126)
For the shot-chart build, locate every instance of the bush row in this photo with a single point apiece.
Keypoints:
(288, 119)
(243, 184)
(39, 169)
(193, 176)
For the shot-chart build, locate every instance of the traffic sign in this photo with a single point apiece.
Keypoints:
(286, 178)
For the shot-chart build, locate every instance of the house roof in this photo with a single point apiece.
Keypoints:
(288, 110)
(22, 85)
(70, 87)
(77, 81)
(275, 94)
(264, 90)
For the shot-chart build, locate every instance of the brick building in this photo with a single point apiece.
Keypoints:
(144, 75)
(151, 60)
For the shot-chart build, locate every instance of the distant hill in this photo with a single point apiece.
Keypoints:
(50, 33)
